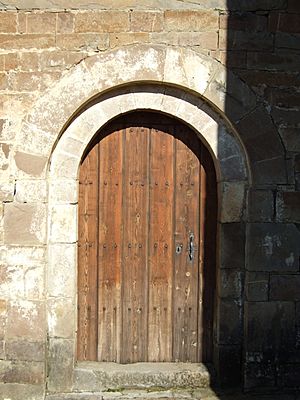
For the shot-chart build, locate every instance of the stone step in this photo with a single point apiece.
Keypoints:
(179, 394)
(103, 377)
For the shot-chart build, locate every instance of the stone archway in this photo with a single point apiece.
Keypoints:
(227, 152)
(175, 81)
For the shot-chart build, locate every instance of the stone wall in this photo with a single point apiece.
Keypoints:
(40, 43)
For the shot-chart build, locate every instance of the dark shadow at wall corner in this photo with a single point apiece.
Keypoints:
(260, 347)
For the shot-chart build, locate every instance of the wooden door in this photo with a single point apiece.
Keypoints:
(147, 207)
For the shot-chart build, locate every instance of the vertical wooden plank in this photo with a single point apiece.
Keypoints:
(209, 209)
(87, 257)
(161, 248)
(110, 246)
(201, 323)
(186, 283)
(135, 247)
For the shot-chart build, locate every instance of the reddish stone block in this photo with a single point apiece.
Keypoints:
(83, 41)
(11, 61)
(279, 22)
(102, 21)
(8, 22)
(41, 22)
(249, 22)
(279, 61)
(65, 23)
(10, 42)
(187, 21)
(141, 21)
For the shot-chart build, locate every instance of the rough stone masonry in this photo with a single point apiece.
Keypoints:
(55, 57)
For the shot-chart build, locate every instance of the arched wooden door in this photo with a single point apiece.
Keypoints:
(147, 207)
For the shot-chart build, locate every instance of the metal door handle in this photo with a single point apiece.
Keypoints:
(191, 247)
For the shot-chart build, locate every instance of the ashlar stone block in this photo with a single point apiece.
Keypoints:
(24, 350)
(231, 283)
(233, 201)
(22, 372)
(257, 286)
(60, 365)
(288, 206)
(26, 320)
(18, 391)
(261, 205)
(31, 191)
(230, 327)
(30, 164)
(64, 224)
(7, 189)
(61, 317)
(233, 241)
(273, 247)
(269, 326)
(62, 270)
(285, 287)
(24, 224)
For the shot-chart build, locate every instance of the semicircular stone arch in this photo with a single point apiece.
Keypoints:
(70, 114)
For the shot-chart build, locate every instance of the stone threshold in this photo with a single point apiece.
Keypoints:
(179, 394)
(113, 377)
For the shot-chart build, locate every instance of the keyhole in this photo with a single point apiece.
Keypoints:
(178, 248)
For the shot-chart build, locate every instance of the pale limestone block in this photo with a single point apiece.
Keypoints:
(232, 201)
(34, 283)
(31, 191)
(61, 317)
(31, 139)
(18, 256)
(174, 71)
(71, 146)
(110, 107)
(26, 320)
(63, 191)
(21, 282)
(134, 63)
(199, 71)
(12, 281)
(216, 89)
(230, 94)
(5, 161)
(170, 103)
(25, 224)
(10, 127)
(63, 228)
(70, 91)
(148, 100)
(64, 165)
(7, 189)
(87, 124)
(128, 103)
(62, 267)
(1, 224)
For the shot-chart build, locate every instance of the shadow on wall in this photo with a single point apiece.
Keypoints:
(259, 348)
